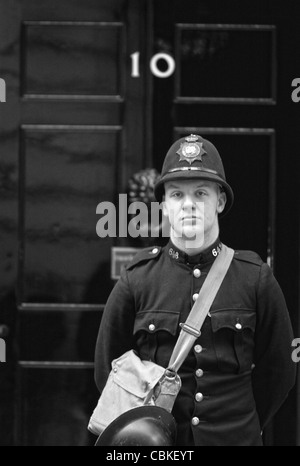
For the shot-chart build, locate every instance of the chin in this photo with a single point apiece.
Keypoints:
(192, 234)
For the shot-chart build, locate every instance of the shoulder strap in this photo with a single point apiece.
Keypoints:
(190, 330)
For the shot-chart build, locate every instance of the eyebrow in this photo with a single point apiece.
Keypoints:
(201, 185)
(172, 186)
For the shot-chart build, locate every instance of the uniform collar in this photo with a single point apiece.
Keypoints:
(208, 255)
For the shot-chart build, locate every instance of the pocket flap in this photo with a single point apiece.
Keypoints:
(235, 319)
(136, 376)
(154, 321)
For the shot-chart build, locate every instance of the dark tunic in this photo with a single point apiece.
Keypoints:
(239, 371)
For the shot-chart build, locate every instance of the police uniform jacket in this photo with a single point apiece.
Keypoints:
(239, 370)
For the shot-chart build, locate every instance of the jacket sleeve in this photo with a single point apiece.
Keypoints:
(274, 373)
(115, 335)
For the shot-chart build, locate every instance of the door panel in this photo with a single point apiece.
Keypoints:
(54, 403)
(73, 59)
(59, 205)
(204, 51)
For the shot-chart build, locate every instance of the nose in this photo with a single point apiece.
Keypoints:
(188, 202)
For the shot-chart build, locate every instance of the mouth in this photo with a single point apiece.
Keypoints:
(192, 218)
(193, 221)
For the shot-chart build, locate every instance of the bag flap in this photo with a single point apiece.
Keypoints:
(134, 375)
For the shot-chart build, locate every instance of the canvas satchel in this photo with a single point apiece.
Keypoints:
(133, 382)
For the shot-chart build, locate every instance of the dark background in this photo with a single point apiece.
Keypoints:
(76, 126)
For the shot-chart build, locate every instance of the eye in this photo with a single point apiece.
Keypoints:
(200, 193)
(176, 194)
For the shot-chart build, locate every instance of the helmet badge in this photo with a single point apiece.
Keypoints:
(191, 150)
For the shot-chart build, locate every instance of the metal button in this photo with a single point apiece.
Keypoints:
(199, 373)
(198, 348)
(199, 397)
(195, 296)
(238, 326)
(151, 327)
(154, 250)
(195, 421)
(197, 273)
(252, 366)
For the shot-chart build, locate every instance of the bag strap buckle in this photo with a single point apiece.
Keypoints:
(191, 330)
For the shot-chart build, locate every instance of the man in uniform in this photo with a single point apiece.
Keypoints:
(240, 370)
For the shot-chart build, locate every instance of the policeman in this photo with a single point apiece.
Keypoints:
(240, 370)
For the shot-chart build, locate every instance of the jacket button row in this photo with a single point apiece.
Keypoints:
(199, 373)
(198, 348)
(197, 273)
(199, 397)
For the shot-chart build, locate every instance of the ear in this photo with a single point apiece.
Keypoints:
(221, 202)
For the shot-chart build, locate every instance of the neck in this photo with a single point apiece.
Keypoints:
(190, 246)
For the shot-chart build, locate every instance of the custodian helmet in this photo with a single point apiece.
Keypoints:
(193, 157)
(142, 426)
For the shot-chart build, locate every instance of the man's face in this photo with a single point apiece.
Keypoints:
(192, 207)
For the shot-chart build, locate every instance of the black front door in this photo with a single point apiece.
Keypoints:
(70, 115)
(235, 63)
